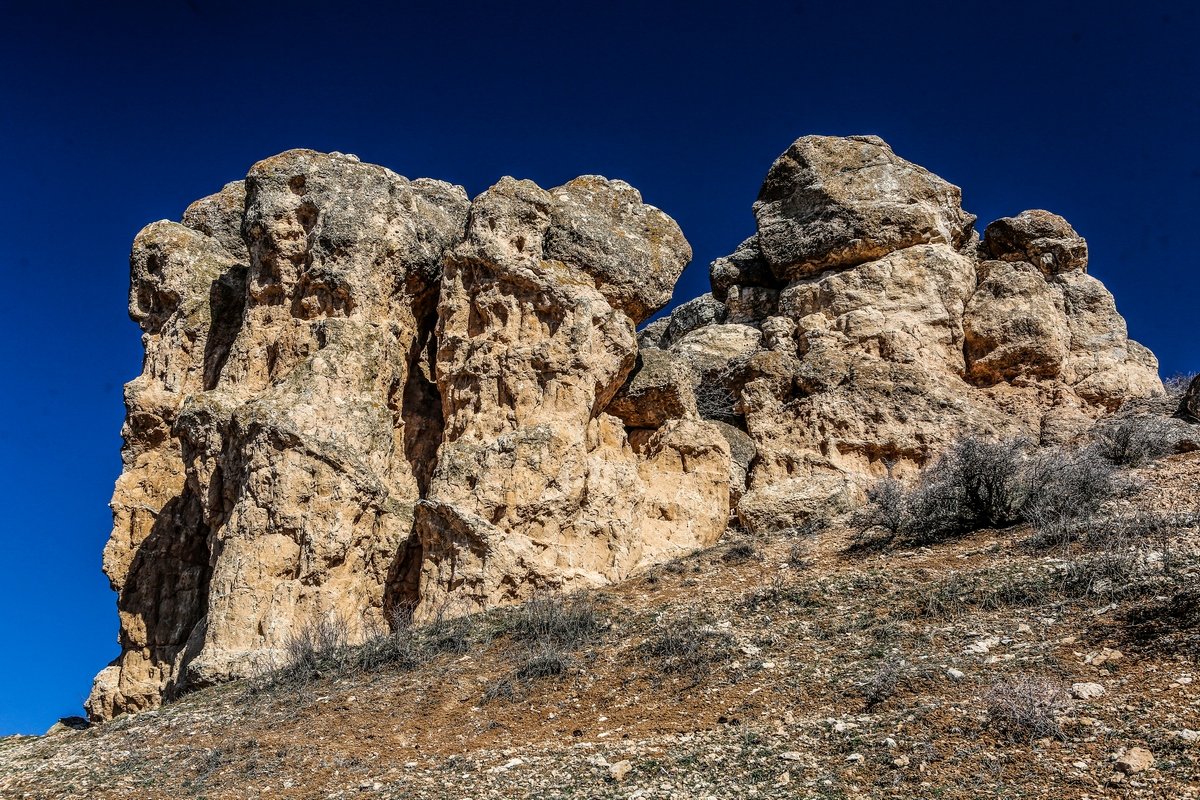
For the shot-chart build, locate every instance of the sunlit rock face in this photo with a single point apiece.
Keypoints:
(370, 397)
(865, 326)
(366, 396)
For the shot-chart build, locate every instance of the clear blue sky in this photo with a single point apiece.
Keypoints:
(116, 114)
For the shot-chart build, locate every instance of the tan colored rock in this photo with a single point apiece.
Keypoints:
(1045, 240)
(1135, 760)
(363, 395)
(891, 339)
(1104, 366)
(660, 388)
(837, 202)
(536, 486)
(277, 439)
(1015, 325)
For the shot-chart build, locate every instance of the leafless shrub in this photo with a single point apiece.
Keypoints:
(321, 646)
(1026, 708)
(715, 401)
(800, 555)
(1134, 441)
(739, 553)
(401, 648)
(781, 592)
(686, 645)
(976, 483)
(886, 512)
(502, 689)
(1066, 491)
(882, 684)
(555, 619)
(445, 634)
(544, 662)
(1177, 385)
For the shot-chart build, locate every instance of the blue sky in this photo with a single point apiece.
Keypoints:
(115, 115)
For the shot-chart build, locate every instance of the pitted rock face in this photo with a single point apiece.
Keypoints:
(364, 395)
(348, 384)
(537, 486)
(833, 202)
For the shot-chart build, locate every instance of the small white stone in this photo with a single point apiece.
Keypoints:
(1086, 691)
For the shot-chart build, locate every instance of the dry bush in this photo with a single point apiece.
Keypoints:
(1134, 441)
(686, 645)
(1067, 489)
(555, 619)
(317, 648)
(882, 684)
(446, 634)
(716, 401)
(1026, 708)
(401, 649)
(545, 661)
(739, 553)
(780, 592)
(980, 483)
(976, 483)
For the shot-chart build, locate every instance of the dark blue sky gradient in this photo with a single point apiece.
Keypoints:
(113, 115)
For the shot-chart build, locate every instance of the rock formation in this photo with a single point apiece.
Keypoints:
(865, 326)
(367, 396)
(364, 395)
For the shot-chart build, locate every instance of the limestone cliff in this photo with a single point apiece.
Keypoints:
(370, 396)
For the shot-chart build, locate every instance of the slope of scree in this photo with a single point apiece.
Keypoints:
(369, 398)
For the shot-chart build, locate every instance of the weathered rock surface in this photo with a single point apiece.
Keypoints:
(537, 486)
(364, 395)
(867, 327)
(832, 202)
(1190, 404)
(1045, 240)
(367, 397)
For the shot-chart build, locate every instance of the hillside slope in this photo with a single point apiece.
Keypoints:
(783, 666)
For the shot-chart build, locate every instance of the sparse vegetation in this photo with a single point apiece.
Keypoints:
(1134, 441)
(1027, 708)
(557, 619)
(686, 645)
(882, 683)
(739, 553)
(976, 483)
(1061, 492)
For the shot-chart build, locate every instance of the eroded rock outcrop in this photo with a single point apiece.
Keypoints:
(365, 396)
(369, 397)
(873, 327)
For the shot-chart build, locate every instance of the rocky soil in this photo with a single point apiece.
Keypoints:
(784, 666)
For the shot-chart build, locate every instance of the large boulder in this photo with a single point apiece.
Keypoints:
(837, 202)
(661, 388)
(1037, 237)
